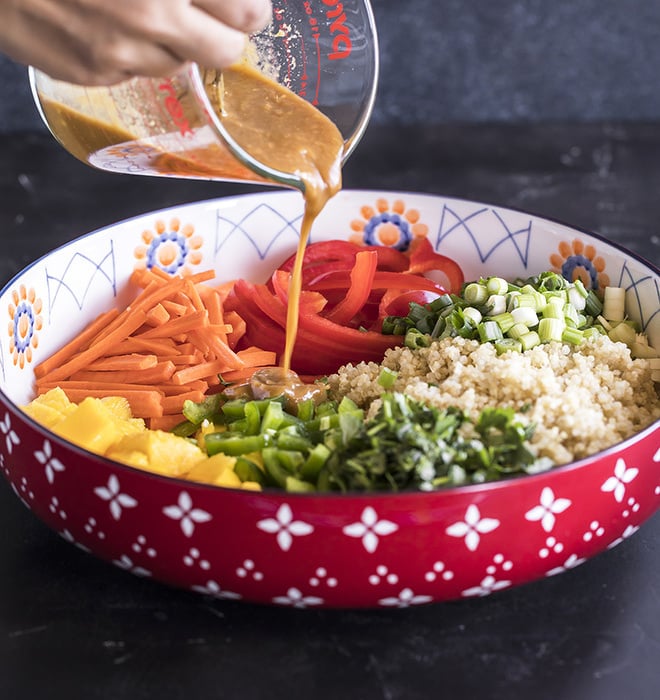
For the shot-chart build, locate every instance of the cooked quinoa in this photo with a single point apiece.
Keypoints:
(582, 399)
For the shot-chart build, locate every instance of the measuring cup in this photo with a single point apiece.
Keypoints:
(325, 51)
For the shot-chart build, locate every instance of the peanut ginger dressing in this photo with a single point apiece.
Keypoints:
(271, 123)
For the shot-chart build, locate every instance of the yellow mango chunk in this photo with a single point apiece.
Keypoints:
(91, 425)
(119, 406)
(50, 408)
(218, 470)
(156, 451)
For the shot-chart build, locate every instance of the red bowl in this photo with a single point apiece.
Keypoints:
(302, 550)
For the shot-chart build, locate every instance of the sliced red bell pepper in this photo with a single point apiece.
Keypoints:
(397, 303)
(361, 277)
(324, 251)
(382, 280)
(313, 302)
(389, 258)
(424, 259)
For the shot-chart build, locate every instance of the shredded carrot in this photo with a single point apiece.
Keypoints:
(173, 342)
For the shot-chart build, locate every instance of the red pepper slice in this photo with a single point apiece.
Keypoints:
(313, 302)
(396, 303)
(361, 277)
(382, 280)
(424, 259)
(324, 251)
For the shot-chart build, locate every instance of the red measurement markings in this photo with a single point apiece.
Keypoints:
(174, 107)
(341, 34)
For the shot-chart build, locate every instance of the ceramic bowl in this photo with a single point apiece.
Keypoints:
(392, 550)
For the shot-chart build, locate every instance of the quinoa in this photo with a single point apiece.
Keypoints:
(582, 399)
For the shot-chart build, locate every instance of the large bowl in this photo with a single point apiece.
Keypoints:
(317, 550)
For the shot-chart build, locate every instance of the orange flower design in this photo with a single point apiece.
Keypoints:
(388, 225)
(170, 247)
(577, 260)
(24, 325)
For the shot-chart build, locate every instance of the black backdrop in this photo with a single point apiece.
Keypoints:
(488, 60)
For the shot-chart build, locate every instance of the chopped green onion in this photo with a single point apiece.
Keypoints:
(554, 309)
(518, 330)
(623, 333)
(489, 331)
(550, 329)
(614, 303)
(525, 315)
(530, 340)
(473, 315)
(507, 345)
(505, 321)
(577, 298)
(497, 285)
(496, 304)
(574, 336)
(571, 315)
(475, 294)
(387, 377)
(593, 305)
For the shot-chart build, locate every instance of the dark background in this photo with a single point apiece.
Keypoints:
(489, 60)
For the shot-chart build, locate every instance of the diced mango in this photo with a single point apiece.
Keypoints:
(91, 425)
(165, 453)
(50, 408)
(119, 406)
(211, 470)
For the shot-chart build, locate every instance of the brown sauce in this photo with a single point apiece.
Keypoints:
(271, 123)
(275, 382)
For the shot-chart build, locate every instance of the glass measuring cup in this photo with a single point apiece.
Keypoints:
(325, 51)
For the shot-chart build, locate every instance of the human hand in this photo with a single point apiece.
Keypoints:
(101, 42)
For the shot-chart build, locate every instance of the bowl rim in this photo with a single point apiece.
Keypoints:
(489, 486)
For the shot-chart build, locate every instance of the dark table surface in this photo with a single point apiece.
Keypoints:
(72, 626)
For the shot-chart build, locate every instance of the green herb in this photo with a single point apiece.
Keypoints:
(406, 445)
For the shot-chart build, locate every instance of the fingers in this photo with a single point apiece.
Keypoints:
(97, 42)
(247, 16)
(207, 41)
(212, 33)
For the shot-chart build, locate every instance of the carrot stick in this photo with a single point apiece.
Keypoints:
(172, 343)
(254, 357)
(166, 423)
(158, 374)
(170, 389)
(132, 361)
(238, 328)
(175, 326)
(201, 371)
(192, 359)
(173, 308)
(237, 375)
(82, 359)
(174, 403)
(66, 351)
(193, 294)
(134, 344)
(144, 404)
(157, 315)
